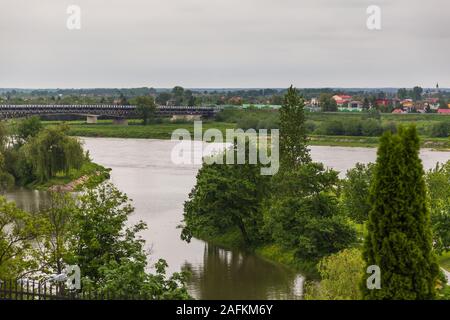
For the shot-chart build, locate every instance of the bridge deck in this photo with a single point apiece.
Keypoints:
(119, 111)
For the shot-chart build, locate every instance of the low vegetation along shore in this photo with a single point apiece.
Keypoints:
(324, 129)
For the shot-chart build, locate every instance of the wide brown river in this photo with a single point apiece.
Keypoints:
(143, 169)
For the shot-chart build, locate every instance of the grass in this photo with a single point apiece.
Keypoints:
(444, 261)
(164, 130)
(96, 173)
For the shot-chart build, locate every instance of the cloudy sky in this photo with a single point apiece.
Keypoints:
(224, 43)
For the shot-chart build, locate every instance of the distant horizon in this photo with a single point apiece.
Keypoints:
(215, 88)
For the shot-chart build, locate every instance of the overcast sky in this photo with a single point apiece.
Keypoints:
(224, 43)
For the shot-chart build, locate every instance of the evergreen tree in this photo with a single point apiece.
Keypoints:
(399, 238)
(293, 149)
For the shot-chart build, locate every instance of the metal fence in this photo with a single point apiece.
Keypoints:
(38, 290)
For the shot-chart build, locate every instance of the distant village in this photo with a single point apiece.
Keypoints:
(399, 101)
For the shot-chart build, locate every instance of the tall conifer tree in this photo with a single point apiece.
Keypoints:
(399, 237)
(293, 148)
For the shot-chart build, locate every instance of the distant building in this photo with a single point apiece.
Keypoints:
(398, 111)
(383, 102)
(341, 99)
(352, 106)
(444, 111)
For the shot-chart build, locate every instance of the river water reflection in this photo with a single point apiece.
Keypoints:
(158, 188)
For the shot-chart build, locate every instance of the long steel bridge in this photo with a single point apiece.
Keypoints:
(8, 111)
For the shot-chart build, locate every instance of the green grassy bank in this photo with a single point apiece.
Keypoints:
(106, 129)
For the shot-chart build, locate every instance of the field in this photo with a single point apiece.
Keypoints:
(323, 128)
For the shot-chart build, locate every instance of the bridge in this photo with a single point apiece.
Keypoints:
(119, 112)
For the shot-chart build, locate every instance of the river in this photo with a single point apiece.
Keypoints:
(143, 169)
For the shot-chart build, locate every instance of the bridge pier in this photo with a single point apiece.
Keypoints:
(120, 122)
(186, 117)
(91, 119)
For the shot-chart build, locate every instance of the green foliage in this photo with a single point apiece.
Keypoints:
(303, 213)
(100, 234)
(127, 279)
(333, 128)
(371, 128)
(52, 152)
(146, 108)
(438, 181)
(355, 190)
(28, 128)
(293, 149)
(226, 197)
(56, 220)
(340, 273)
(399, 238)
(327, 103)
(17, 230)
(440, 130)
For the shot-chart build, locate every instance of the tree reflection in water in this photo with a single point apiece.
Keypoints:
(234, 274)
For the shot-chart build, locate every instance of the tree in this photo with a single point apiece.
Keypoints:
(438, 182)
(402, 93)
(17, 231)
(355, 190)
(6, 179)
(52, 248)
(146, 108)
(226, 198)
(399, 238)
(99, 230)
(29, 127)
(327, 103)
(340, 274)
(52, 151)
(443, 104)
(417, 93)
(293, 149)
(163, 98)
(178, 95)
(303, 214)
(110, 253)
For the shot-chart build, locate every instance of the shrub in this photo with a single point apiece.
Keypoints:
(371, 128)
(310, 126)
(440, 130)
(352, 127)
(334, 128)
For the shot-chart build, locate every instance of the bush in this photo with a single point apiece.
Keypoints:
(352, 128)
(371, 128)
(333, 128)
(340, 273)
(310, 126)
(440, 130)
(390, 126)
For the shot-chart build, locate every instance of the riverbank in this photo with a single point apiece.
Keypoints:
(89, 175)
(269, 252)
(105, 129)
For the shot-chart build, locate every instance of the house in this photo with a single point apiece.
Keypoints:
(432, 103)
(341, 99)
(444, 111)
(398, 111)
(383, 102)
(352, 106)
